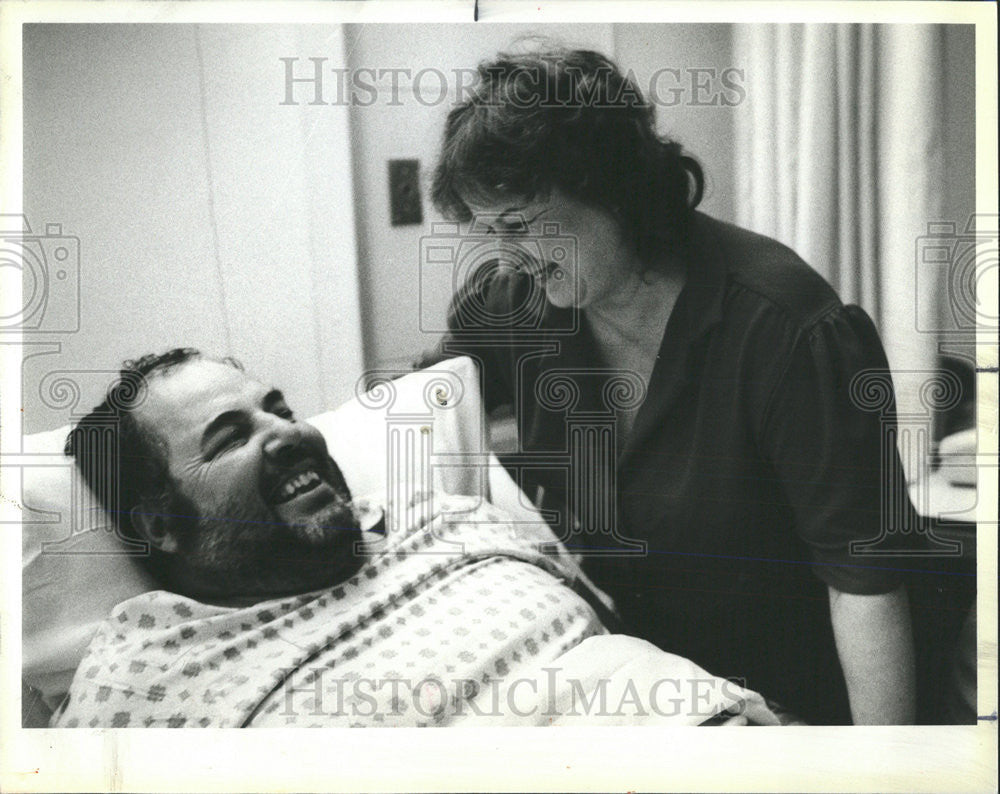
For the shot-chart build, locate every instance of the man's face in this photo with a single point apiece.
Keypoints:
(261, 507)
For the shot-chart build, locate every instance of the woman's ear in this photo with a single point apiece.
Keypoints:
(153, 523)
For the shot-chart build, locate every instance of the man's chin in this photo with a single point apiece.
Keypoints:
(335, 527)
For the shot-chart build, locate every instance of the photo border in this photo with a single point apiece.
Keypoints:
(953, 758)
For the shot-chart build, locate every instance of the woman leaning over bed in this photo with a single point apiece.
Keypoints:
(746, 469)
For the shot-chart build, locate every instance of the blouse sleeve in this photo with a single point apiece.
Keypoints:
(834, 455)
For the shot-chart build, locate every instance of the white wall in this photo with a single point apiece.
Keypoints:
(208, 214)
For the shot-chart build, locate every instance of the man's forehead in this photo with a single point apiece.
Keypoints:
(196, 391)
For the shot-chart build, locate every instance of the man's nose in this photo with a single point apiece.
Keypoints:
(281, 436)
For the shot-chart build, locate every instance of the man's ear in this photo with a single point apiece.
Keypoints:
(153, 523)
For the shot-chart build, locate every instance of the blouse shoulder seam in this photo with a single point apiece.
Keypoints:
(817, 321)
(807, 323)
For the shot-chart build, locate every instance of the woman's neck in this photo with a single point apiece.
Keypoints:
(642, 304)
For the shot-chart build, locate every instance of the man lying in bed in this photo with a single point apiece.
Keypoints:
(278, 608)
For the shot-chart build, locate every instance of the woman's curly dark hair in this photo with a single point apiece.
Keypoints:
(567, 119)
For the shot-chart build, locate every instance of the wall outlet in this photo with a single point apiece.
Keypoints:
(404, 192)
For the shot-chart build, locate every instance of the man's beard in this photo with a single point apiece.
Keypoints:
(248, 550)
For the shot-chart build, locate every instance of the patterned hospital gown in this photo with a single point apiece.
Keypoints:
(434, 618)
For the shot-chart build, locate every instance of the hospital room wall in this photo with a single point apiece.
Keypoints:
(208, 214)
(403, 313)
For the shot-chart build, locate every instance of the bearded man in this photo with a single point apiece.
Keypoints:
(284, 604)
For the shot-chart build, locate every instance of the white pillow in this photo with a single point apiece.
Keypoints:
(73, 570)
(432, 416)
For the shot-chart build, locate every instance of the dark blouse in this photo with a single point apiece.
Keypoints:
(721, 519)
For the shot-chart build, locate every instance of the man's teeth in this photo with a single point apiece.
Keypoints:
(300, 482)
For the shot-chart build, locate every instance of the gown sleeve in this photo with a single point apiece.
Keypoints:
(834, 451)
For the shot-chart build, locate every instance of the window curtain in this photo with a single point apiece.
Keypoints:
(839, 155)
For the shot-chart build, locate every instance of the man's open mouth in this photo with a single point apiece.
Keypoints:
(295, 485)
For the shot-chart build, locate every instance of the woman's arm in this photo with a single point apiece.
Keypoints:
(875, 644)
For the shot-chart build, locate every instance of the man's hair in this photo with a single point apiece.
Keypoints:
(567, 119)
(122, 461)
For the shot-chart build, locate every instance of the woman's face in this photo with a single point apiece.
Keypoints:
(575, 251)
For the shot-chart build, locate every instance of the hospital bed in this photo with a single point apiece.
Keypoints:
(402, 436)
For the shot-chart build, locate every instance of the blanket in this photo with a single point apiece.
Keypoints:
(457, 617)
